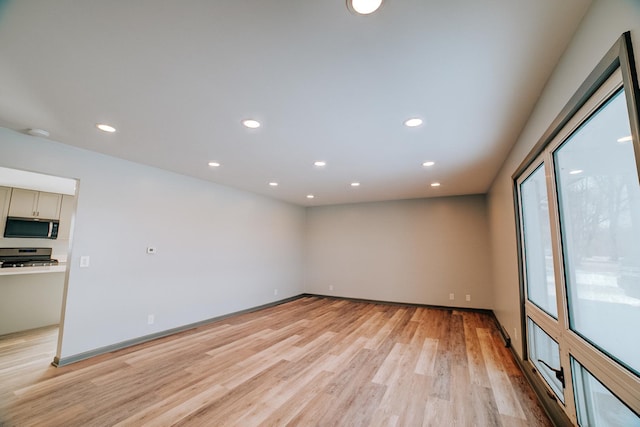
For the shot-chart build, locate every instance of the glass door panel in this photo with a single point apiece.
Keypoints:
(595, 404)
(599, 204)
(544, 353)
(539, 273)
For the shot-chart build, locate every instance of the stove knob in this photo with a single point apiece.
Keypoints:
(21, 265)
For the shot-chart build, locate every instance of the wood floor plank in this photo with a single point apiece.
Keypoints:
(385, 329)
(427, 357)
(439, 412)
(406, 393)
(504, 393)
(238, 400)
(441, 386)
(484, 406)
(389, 365)
(309, 382)
(176, 407)
(286, 412)
(476, 364)
(364, 326)
(312, 361)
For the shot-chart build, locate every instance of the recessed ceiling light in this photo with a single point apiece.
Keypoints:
(355, 184)
(363, 7)
(320, 163)
(575, 172)
(251, 123)
(214, 164)
(273, 184)
(310, 196)
(413, 122)
(105, 128)
(427, 164)
(625, 139)
(435, 184)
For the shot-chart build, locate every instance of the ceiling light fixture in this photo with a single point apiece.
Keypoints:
(273, 184)
(435, 184)
(413, 122)
(251, 123)
(214, 164)
(364, 7)
(105, 127)
(38, 132)
(625, 139)
(355, 184)
(310, 196)
(427, 164)
(575, 172)
(320, 163)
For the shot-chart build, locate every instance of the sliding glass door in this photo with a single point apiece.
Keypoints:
(579, 221)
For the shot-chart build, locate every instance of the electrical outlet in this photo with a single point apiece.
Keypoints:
(468, 297)
(515, 334)
(330, 287)
(150, 319)
(84, 261)
(452, 297)
(275, 292)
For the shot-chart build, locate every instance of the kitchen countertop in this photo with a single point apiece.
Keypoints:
(12, 271)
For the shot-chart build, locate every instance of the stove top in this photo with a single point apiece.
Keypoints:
(26, 257)
(28, 263)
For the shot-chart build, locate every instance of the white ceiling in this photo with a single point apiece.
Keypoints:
(177, 77)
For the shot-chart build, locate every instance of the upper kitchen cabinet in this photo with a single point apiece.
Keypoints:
(66, 215)
(35, 204)
(5, 196)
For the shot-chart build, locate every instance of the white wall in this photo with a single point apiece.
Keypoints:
(415, 251)
(602, 26)
(220, 250)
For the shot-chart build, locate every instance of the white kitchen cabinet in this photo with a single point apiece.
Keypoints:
(23, 203)
(5, 196)
(66, 215)
(35, 204)
(49, 205)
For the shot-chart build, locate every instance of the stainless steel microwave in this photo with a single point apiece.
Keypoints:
(32, 228)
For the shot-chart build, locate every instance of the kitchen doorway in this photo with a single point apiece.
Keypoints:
(34, 269)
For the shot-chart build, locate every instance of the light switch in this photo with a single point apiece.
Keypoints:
(151, 250)
(84, 261)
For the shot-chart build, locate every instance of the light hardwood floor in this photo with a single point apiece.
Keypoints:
(312, 361)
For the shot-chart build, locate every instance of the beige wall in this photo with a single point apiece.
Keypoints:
(601, 27)
(416, 251)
